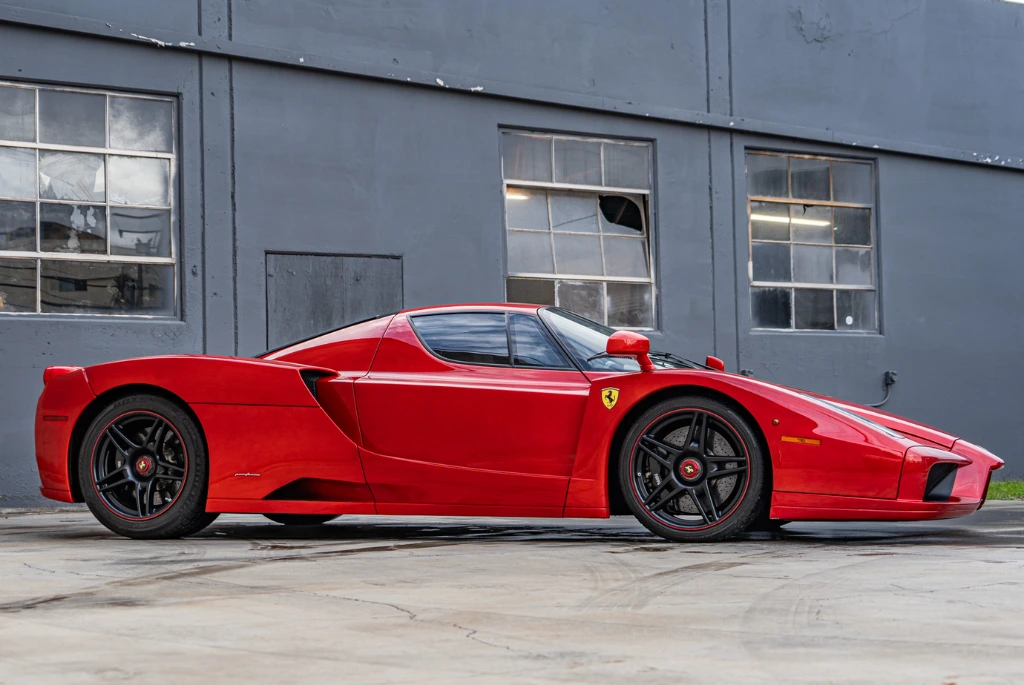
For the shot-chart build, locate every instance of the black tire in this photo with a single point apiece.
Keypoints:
(148, 457)
(668, 476)
(301, 519)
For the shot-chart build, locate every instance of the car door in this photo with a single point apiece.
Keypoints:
(470, 412)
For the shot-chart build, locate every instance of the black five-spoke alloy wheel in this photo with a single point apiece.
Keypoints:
(142, 469)
(692, 470)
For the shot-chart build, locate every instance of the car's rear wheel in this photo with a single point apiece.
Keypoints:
(692, 470)
(301, 519)
(143, 469)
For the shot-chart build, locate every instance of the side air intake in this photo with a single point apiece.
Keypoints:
(310, 377)
(939, 485)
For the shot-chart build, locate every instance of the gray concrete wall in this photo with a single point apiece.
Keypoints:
(317, 126)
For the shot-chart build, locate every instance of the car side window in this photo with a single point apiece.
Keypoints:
(472, 338)
(532, 346)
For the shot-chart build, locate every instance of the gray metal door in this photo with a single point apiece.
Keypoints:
(308, 294)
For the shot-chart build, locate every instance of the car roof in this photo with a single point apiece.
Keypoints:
(475, 307)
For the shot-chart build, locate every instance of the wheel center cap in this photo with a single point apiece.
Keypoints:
(690, 469)
(143, 465)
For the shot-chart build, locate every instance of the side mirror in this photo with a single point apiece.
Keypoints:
(714, 363)
(630, 344)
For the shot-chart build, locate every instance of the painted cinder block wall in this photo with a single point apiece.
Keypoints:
(319, 126)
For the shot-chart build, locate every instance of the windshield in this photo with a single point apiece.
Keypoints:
(587, 340)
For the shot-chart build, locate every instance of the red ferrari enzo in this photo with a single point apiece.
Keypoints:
(482, 410)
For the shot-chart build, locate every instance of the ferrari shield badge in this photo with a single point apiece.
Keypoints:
(610, 396)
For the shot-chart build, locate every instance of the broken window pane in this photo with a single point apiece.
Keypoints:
(853, 267)
(626, 258)
(577, 161)
(810, 179)
(853, 226)
(17, 172)
(69, 118)
(769, 221)
(17, 114)
(526, 208)
(771, 262)
(530, 291)
(812, 264)
(767, 175)
(17, 226)
(529, 252)
(627, 166)
(139, 181)
(573, 212)
(855, 310)
(586, 299)
(630, 305)
(811, 224)
(578, 255)
(141, 232)
(17, 285)
(812, 309)
(525, 157)
(71, 176)
(72, 228)
(140, 124)
(770, 307)
(107, 288)
(851, 182)
(621, 215)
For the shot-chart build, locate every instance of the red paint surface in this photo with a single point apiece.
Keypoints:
(397, 430)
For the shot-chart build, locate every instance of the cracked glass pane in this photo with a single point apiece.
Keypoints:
(71, 176)
(621, 214)
(811, 224)
(575, 212)
(72, 228)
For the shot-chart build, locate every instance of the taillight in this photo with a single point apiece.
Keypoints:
(52, 372)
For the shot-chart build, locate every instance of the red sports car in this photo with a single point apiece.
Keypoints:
(482, 410)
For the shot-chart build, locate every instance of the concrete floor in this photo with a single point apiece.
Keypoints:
(389, 600)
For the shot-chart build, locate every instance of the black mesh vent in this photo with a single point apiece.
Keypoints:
(310, 377)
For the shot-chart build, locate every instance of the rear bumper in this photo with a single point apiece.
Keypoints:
(974, 467)
(63, 400)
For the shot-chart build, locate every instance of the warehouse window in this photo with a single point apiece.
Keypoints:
(812, 262)
(86, 202)
(577, 223)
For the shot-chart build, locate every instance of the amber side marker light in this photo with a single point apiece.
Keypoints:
(52, 372)
(801, 441)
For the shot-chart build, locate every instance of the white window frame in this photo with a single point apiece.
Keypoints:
(38, 256)
(791, 285)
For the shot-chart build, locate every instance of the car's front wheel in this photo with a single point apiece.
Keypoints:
(692, 470)
(143, 469)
